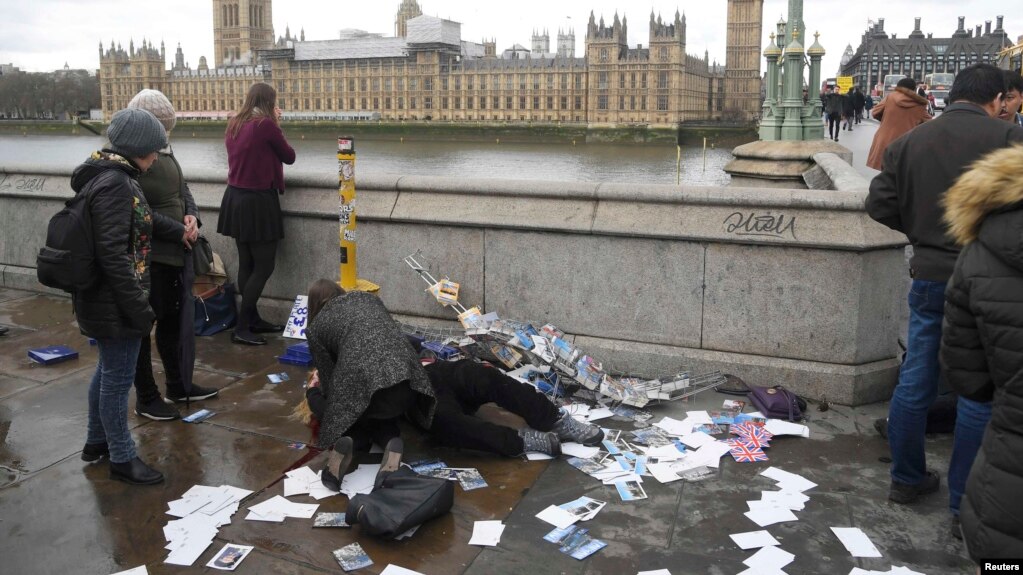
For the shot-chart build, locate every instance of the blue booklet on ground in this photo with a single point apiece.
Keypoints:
(52, 354)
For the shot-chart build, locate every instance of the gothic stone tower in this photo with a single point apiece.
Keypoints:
(742, 59)
(541, 43)
(566, 43)
(123, 73)
(239, 27)
(408, 10)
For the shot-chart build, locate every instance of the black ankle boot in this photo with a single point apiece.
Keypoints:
(243, 329)
(93, 452)
(135, 472)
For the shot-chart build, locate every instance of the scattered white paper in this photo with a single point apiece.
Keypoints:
(663, 472)
(536, 456)
(599, 413)
(140, 570)
(754, 539)
(788, 481)
(697, 439)
(486, 533)
(762, 571)
(202, 510)
(770, 558)
(856, 542)
(557, 517)
(674, 426)
(658, 572)
(794, 500)
(699, 417)
(360, 481)
(664, 452)
(574, 449)
(765, 517)
(278, 506)
(782, 427)
(395, 570)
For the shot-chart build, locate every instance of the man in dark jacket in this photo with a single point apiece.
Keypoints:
(858, 102)
(982, 342)
(116, 312)
(834, 104)
(917, 169)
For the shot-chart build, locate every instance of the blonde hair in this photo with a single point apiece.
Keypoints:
(302, 412)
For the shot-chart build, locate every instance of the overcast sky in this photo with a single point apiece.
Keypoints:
(41, 35)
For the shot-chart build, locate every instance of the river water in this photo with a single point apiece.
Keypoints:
(521, 161)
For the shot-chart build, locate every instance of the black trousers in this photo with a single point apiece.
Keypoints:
(462, 387)
(165, 299)
(379, 422)
(834, 125)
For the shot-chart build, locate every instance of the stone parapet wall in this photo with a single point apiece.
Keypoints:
(797, 287)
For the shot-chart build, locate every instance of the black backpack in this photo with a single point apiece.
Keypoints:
(68, 260)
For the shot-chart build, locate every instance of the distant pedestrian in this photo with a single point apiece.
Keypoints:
(116, 313)
(868, 104)
(899, 112)
(848, 110)
(906, 196)
(833, 106)
(250, 211)
(858, 102)
(170, 199)
(981, 346)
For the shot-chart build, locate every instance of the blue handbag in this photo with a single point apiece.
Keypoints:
(215, 310)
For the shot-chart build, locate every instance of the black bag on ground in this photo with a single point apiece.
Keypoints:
(403, 500)
(215, 310)
(68, 260)
(777, 402)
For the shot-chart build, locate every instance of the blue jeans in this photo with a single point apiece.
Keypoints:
(971, 421)
(108, 397)
(918, 382)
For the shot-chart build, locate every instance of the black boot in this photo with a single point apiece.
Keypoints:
(243, 329)
(135, 472)
(94, 452)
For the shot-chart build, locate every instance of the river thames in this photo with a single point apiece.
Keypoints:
(651, 164)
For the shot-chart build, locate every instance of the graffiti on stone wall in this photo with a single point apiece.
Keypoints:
(17, 183)
(760, 225)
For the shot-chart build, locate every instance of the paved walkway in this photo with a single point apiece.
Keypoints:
(59, 515)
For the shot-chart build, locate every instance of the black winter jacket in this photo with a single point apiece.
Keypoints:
(918, 168)
(982, 345)
(118, 307)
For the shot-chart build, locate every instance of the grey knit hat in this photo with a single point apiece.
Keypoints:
(136, 133)
(156, 102)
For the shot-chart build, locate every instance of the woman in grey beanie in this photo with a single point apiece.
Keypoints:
(170, 276)
(116, 311)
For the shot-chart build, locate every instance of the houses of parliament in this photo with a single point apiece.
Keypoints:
(426, 71)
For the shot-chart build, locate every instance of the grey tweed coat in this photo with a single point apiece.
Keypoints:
(359, 349)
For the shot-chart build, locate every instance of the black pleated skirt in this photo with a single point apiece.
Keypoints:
(251, 215)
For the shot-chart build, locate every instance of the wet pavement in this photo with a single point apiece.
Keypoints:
(60, 515)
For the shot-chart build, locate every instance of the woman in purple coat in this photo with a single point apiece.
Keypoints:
(251, 210)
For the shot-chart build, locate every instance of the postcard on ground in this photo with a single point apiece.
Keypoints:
(330, 520)
(471, 479)
(229, 557)
(630, 490)
(278, 377)
(352, 557)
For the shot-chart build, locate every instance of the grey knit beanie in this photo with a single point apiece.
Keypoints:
(136, 133)
(155, 102)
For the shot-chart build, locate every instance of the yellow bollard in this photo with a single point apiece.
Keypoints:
(346, 234)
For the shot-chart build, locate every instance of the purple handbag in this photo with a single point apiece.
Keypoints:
(777, 402)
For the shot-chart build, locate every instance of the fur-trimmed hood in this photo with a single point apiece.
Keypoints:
(986, 199)
(911, 98)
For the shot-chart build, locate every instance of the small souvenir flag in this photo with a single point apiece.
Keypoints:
(746, 453)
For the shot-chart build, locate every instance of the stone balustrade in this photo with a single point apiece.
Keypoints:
(793, 287)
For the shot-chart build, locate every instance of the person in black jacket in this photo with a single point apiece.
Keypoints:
(833, 108)
(982, 343)
(848, 110)
(858, 102)
(116, 312)
(906, 196)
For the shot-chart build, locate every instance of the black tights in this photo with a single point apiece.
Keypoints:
(256, 262)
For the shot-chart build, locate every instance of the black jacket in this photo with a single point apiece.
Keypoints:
(918, 168)
(982, 345)
(118, 307)
(359, 349)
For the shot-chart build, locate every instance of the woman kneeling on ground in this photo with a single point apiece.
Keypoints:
(368, 375)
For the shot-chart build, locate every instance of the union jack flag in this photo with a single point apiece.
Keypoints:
(754, 440)
(747, 453)
(751, 432)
